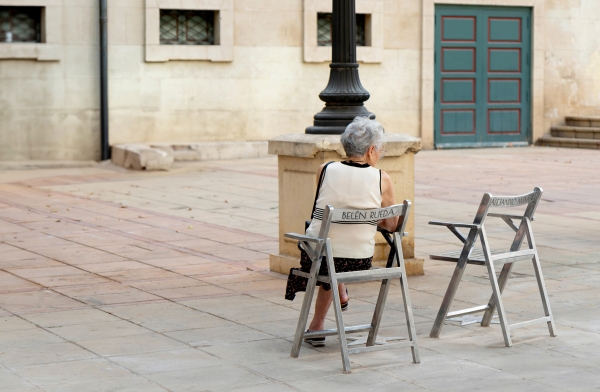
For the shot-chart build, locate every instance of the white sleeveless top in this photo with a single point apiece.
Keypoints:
(353, 186)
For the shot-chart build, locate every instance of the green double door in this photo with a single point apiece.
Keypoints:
(482, 76)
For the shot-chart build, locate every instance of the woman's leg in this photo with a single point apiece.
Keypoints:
(322, 304)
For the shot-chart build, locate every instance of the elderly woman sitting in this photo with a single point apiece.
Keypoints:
(354, 184)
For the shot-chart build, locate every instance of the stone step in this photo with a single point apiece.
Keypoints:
(569, 142)
(576, 132)
(583, 121)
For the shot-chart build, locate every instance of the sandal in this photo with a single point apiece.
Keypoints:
(316, 342)
(346, 304)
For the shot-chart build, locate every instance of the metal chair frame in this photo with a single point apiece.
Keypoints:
(485, 256)
(318, 247)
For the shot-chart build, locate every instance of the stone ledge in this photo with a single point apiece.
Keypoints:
(583, 121)
(39, 52)
(569, 131)
(160, 156)
(552, 141)
(212, 151)
(307, 146)
(31, 165)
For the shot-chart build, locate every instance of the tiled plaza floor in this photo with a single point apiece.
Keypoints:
(113, 280)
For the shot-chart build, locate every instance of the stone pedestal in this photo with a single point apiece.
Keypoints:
(299, 158)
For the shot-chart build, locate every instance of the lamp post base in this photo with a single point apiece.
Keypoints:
(333, 120)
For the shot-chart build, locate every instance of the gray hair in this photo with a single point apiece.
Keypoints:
(361, 134)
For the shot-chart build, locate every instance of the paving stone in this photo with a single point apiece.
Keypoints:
(214, 378)
(224, 303)
(255, 352)
(13, 340)
(303, 367)
(201, 289)
(70, 371)
(127, 383)
(69, 317)
(98, 330)
(358, 380)
(270, 387)
(48, 353)
(205, 337)
(188, 260)
(270, 313)
(14, 323)
(132, 344)
(166, 361)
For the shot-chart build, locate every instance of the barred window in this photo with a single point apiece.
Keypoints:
(360, 29)
(20, 24)
(185, 27)
(324, 29)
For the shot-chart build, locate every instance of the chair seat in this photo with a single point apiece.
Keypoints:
(476, 256)
(358, 276)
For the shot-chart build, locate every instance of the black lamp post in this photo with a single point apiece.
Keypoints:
(344, 94)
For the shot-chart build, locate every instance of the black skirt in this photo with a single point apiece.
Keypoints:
(298, 283)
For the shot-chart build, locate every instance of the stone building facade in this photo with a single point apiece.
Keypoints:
(262, 71)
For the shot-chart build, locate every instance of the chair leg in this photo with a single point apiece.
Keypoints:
(376, 322)
(496, 293)
(408, 310)
(498, 301)
(448, 298)
(540, 281)
(410, 322)
(489, 314)
(303, 318)
(337, 308)
(544, 294)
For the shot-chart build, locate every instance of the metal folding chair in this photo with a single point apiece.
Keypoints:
(490, 258)
(318, 247)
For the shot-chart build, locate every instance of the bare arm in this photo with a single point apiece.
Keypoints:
(319, 172)
(387, 199)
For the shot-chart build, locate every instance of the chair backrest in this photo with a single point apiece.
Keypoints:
(488, 202)
(347, 216)
(531, 199)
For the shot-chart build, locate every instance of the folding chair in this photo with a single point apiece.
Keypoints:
(318, 247)
(490, 258)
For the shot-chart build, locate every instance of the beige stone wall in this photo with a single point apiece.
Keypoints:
(49, 109)
(572, 60)
(267, 89)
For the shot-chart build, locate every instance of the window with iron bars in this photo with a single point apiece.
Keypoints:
(20, 24)
(324, 29)
(187, 27)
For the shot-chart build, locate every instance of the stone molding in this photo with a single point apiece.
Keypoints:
(50, 49)
(428, 67)
(308, 146)
(222, 52)
(364, 54)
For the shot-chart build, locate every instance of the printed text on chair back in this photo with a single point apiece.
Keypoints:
(530, 199)
(340, 215)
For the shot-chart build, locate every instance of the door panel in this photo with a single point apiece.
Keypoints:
(482, 76)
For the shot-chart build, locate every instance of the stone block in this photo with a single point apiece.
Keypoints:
(141, 157)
